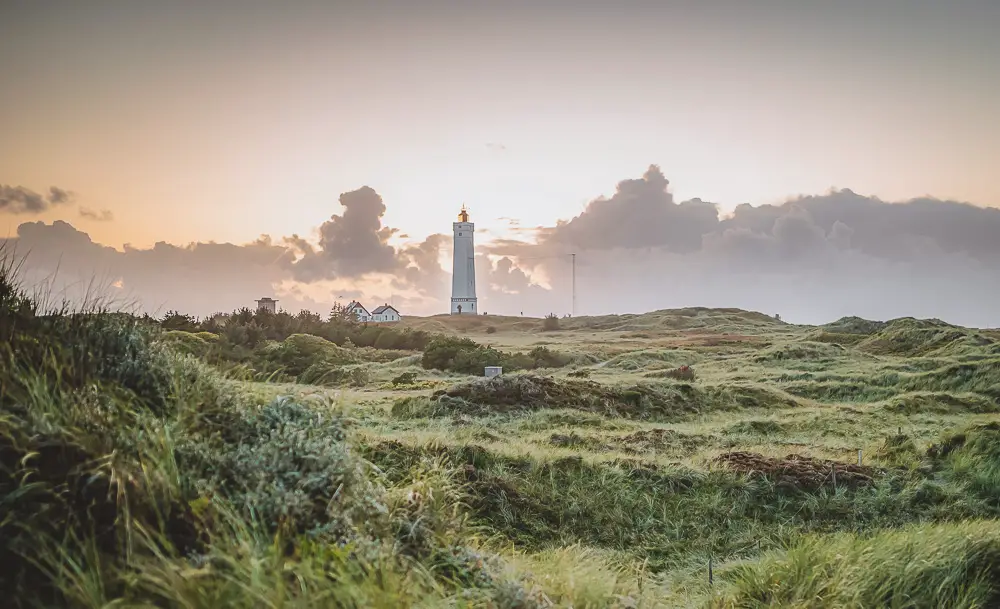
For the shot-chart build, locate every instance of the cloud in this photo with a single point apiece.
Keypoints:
(641, 213)
(894, 231)
(21, 200)
(811, 259)
(203, 278)
(103, 215)
(350, 245)
(200, 277)
(422, 269)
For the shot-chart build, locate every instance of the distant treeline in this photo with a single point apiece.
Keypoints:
(248, 328)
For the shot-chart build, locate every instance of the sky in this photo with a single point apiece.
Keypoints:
(197, 155)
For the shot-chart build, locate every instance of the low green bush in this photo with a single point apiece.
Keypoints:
(459, 355)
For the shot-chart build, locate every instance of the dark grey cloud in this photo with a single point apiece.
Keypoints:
(641, 213)
(21, 200)
(896, 231)
(103, 215)
(352, 244)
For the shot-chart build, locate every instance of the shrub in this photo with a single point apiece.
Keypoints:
(189, 343)
(289, 465)
(178, 321)
(459, 355)
(300, 353)
(491, 330)
(550, 323)
(682, 373)
(543, 357)
(406, 378)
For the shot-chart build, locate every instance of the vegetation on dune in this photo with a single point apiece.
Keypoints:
(912, 338)
(259, 460)
(663, 401)
(650, 359)
(673, 517)
(854, 325)
(933, 566)
(133, 474)
(466, 356)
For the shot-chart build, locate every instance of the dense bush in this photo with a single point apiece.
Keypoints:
(300, 352)
(174, 320)
(467, 356)
(288, 464)
(200, 344)
(459, 355)
(550, 323)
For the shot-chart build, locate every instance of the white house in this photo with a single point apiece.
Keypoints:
(359, 311)
(385, 313)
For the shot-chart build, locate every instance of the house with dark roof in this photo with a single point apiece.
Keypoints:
(386, 312)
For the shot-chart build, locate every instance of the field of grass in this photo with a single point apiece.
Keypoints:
(683, 458)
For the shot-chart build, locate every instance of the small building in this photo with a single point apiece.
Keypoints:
(267, 304)
(359, 311)
(385, 313)
(492, 371)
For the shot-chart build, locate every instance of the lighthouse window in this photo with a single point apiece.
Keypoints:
(459, 234)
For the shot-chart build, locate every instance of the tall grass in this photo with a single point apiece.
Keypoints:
(134, 475)
(933, 566)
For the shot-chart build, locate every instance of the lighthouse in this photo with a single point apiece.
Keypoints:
(463, 274)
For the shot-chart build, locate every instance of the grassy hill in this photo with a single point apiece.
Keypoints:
(854, 464)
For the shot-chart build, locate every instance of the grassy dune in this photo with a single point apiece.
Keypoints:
(143, 467)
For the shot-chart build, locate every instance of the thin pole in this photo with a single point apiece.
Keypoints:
(574, 285)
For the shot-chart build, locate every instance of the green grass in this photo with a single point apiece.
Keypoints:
(932, 566)
(150, 467)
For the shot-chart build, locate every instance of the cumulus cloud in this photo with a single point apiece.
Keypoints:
(103, 215)
(641, 213)
(352, 244)
(21, 200)
(811, 259)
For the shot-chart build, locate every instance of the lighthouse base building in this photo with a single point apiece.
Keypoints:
(463, 275)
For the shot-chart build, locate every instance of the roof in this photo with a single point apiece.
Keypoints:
(383, 309)
(354, 304)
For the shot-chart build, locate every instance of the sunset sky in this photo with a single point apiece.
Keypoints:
(191, 122)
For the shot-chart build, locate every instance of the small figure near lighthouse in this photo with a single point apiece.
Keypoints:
(463, 276)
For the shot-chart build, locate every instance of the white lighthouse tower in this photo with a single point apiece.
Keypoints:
(463, 274)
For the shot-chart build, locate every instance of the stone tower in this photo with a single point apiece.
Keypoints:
(463, 274)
